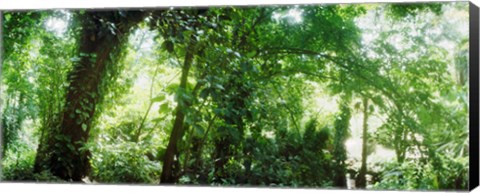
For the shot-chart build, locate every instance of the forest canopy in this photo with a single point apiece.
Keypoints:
(351, 96)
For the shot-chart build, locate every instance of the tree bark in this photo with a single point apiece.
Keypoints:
(168, 176)
(234, 123)
(362, 182)
(339, 151)
(101, 42)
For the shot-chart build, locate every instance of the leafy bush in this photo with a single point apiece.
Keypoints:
(123, 162)
(19, 167)
(410, 175)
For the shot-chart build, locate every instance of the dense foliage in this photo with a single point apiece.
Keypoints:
(259, 96)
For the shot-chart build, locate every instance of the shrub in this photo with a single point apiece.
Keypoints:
(125, 162)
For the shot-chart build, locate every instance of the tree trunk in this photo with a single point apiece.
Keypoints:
(233, 131)
(101, 43)
(362, 182)
(340, 153)
(168, 176)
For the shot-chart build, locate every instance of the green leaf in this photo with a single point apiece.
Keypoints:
(251, 54)
(164, 108)
(204, 93)
(84, 127)
(75, 59)
(7, 17)
(70, 147)
(85, 115)
(218, 86)
(159, 98)
(168, 46)
(158, 119)
(199, 130)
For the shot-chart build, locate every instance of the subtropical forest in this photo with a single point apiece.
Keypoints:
(342, 96)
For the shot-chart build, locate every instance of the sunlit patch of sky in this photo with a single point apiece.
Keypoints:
(58, 25)
(322, 102)
(294, 15)
(144, 37)
(142, 40)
